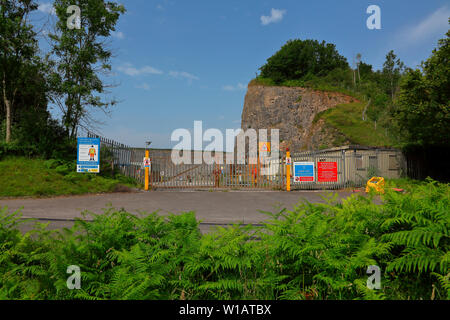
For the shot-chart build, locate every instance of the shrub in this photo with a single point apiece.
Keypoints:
(315, 251)
(299, 59)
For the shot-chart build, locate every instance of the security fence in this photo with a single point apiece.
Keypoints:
(118, 156)
(349, 166)
(335, 168)
(164, 173)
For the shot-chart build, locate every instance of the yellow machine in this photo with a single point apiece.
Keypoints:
(376, 183)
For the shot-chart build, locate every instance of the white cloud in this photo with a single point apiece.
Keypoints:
(143, 86)
(47, 8)
(132, 71)
(228, 88)
(238, 87)
(118, 35)
(432, 25)
(276, 15)
(183, 75)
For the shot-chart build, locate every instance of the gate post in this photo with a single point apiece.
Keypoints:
(288, 171)
(344, 174)
(146, 171)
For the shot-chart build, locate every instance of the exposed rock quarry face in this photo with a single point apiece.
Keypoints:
(292, 111)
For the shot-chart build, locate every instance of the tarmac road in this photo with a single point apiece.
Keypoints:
(212, 208)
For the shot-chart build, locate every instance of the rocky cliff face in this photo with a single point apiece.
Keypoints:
(292, 110)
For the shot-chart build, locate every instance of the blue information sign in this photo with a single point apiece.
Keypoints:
(303, 171)
(88, 155)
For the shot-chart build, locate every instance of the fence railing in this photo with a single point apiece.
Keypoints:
(165, 174)
(354, 168)
(120, 157)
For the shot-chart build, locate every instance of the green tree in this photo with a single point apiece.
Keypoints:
(82, 55)
(301, 58)
(18, 55)
(358, 62)
(392, 71)
(423, 110)
(365, 70)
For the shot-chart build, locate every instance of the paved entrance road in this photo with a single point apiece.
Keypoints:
(218, 207)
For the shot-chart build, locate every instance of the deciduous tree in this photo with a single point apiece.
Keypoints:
(18, 48)
(82, 55)
(424, 101)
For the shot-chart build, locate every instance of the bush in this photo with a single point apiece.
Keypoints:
(299, 59)
(316, 251)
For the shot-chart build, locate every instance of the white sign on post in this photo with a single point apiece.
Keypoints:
(147, 163)
(88, 155)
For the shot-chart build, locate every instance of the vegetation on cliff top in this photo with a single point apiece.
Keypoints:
(347, 119)
(299, 59)
(404, 106)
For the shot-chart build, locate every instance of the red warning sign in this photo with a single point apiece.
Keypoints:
(327, 172)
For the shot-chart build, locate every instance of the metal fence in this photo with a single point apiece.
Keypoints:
(120, 157)
(165, 174)
(355, 166)
(316, 157)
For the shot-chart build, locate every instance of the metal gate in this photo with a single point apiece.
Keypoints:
(165, 174)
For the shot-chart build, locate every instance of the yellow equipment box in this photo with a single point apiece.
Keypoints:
(376, 183)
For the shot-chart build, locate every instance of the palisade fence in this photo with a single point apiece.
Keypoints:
(166, 174)
(355, 166)
(119, 157)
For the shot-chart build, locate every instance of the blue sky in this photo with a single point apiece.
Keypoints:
(176, 61)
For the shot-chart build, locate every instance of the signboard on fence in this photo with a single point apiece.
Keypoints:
(303, 171)
(147, 163)
(327, 172)
(88, 155)
(264, 147)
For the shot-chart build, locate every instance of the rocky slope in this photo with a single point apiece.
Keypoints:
(292, 110)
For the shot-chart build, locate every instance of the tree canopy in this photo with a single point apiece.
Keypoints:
(69, 74)
(423, 110)
(298, 58)
(82, 55)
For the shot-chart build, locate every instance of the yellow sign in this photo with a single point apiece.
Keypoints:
(376, 183)
(264, 147)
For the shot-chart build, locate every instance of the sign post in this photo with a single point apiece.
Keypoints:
(88, 155)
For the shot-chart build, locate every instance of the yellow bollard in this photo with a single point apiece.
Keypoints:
(146, 171)
(288, 171)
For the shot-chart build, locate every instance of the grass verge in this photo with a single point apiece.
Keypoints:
(21, 177)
